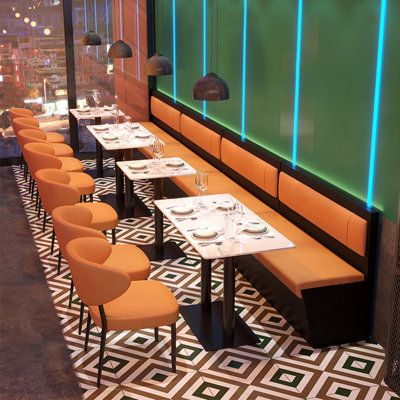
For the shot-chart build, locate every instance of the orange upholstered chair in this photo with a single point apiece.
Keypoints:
(19, 123)
(56, 190)
(71, 222)
(25, 136)
(41, 156)
(115, 302)
(16, 112)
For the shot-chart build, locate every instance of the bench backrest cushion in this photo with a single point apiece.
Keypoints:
(165, 113)
(342, 224)
(205, 140)
(249, 166)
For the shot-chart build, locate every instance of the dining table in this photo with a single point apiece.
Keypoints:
(156, 171)
(219, 227)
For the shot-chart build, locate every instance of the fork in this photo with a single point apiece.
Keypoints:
(186, 219)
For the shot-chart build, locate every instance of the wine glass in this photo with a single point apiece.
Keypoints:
(115, 114)
(201, 181)
(96, 98)
(158, 149)
(128, 122)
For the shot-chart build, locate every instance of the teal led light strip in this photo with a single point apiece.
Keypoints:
(204, 51)
(244, 67)
(377, 100)
(174, 47)
(297, 83)
(95, 26)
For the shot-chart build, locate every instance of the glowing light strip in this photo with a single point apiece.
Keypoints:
(377, 100)
(107, 33)
(204, 51)
(297, 83)
(174, 46)
(95, 25)
(138, 40)
(244, 68)
(84, 7)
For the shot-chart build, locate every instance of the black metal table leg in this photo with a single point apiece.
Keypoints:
(99, 160)
(229, 300)
(160, 250)
(206, 284)
(119, 176)
(129, 197)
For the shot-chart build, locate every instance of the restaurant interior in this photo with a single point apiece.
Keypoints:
(200, 199)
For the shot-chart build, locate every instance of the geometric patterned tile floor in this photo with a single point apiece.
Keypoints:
(283, 366)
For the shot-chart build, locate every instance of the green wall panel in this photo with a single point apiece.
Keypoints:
(337, 81)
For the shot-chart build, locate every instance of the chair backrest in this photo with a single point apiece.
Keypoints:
(95, 283)
(71, 222)
(54, 189)
(24, 123)
(40, 156)
(25, 136)
(19, 112)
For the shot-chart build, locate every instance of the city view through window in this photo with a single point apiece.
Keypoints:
(33, 65)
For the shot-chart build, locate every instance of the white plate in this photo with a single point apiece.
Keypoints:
(174, 164)
(107, 108)
(182, 210)
(255, 228)
(226, 206)
(142, 135)
(101, 128)
(138, 166)
(205, 234)
(113, 137)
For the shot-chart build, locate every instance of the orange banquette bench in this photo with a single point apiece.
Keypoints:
(323, 286)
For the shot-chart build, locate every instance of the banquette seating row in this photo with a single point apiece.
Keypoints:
(323, 286)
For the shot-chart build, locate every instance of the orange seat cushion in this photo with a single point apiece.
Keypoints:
(309, 264)
(200, 135)
(62, 150)
(146, 304)
(254, 169)
(83, 182)
(155, 130)
(166, 113)
(104, 216)
(129, 259)
(342, 224)
(54, 137)
(71, 164)
(218, 183)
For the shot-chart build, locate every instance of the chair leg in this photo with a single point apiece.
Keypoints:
(105, 233)
(59, 262)
(30, 184)
(102, 343)
(71, 293)
(44, 221)
(173, 347)
(81, 318)
(87, 333)
(53, 236)
(33, 189)
(37, 200)
(84, 198)
(156, 334)
(91, 197)
(114, 237)
(25, 172)
(39, 208)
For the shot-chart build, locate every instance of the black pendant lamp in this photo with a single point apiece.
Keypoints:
(211, 87)
(158, 65)
(120, 49)
(91, 38)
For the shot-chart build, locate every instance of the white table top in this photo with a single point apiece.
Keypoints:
(93, 113)
(211, 217)
(154, 169)
(120, 138)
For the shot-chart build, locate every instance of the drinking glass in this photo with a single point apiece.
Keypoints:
(158, 150)
(201, 181)
(128, 122)
(115, 114)
(96, 98)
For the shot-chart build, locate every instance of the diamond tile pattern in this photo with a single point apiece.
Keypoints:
(282, 366)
